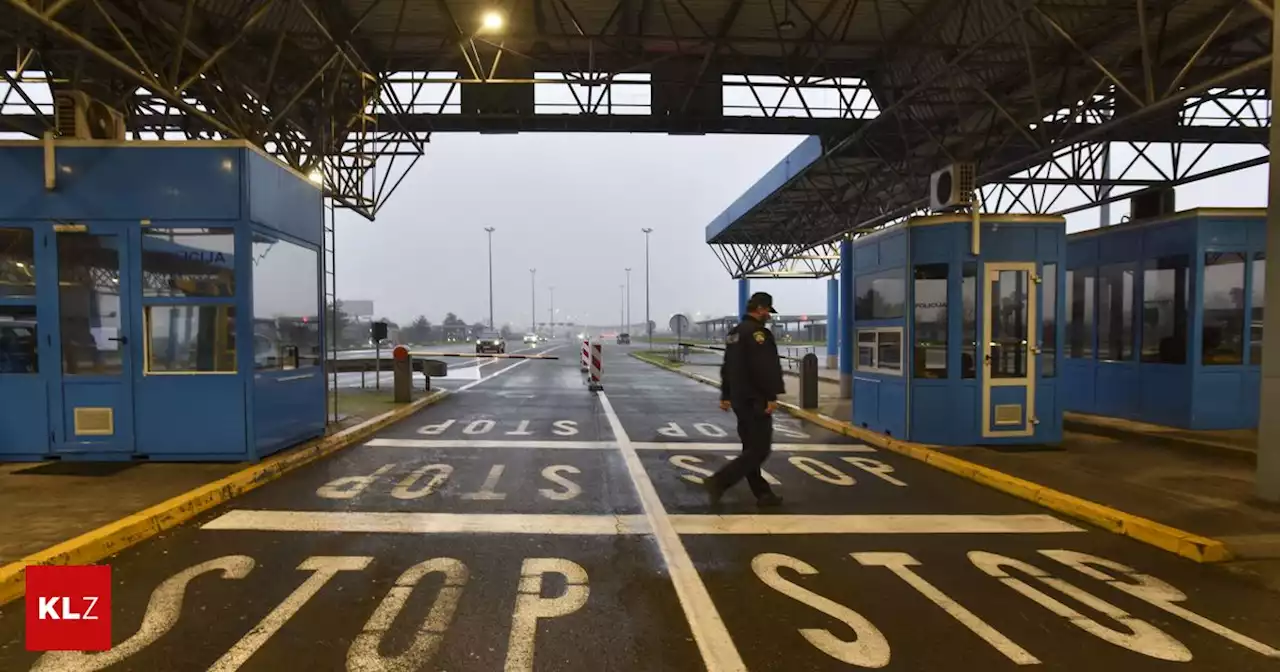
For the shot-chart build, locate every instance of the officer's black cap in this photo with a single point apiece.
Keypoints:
(761, 300)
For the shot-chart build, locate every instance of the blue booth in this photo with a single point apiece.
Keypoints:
(1165, 319)
(983, 362)
(158, 300)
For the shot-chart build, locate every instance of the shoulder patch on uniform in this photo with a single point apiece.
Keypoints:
(760, 337)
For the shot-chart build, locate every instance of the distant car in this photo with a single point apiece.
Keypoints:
(491, 341)
(531, 339)
(624, 339)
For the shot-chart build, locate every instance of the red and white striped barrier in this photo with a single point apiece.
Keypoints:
(586, 356)
(597, 367)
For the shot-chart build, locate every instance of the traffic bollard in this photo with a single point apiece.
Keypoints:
(597, 368)
(809, 381)
(402, 374)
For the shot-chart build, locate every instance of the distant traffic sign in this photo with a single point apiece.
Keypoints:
(679, 323)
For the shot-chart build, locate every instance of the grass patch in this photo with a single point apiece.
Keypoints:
(659, 357)
(364, 404)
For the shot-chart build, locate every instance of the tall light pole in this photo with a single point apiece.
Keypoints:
(489, 230)
(622, 309)
(533, 300)
(628, 329)
(551, 312)
(648, 324)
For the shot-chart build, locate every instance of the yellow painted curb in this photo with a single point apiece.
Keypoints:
(114, 537)
(1173, 540)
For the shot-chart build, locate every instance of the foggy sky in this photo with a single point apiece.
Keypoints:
(572, 206)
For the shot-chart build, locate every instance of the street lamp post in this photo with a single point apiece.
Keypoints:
(622, 309)
(489, 230)
(533, 300)
(551, 312)
(648, 324)
(628, 301)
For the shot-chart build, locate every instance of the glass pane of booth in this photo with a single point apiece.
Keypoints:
(19, 342)
(1080, 294)
(1009, 322)
(89, 304)
(931, 321)
(866, 349)
(889, 350)
(1048, 320)
(1222, 339)
(1166, 300)
(1257, 303)
(1115, 312)
(879, 296)
(286, 304)
(191, 339)
(969, 320)
(188, 262)
(17, 263)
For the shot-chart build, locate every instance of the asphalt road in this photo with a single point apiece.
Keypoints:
(525, 523)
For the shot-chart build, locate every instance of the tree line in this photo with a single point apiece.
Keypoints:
(419, 330)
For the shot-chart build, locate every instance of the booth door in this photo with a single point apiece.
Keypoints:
(96, 375)
(1009, 379)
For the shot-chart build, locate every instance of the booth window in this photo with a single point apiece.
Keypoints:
(89, 304)
(930, 328)
(1257, 302)
(1115, 312)
(880, 296)
(286, 304)
(880, 350)
(1048, 320)
(1011, 327)
(1166, 301)
(191, 338)
(1222, 339)
(1080, 290)
(188, 263)
(17, 263)
(969, 320)
(19, 340)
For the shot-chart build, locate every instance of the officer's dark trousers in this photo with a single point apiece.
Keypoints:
(755, 428)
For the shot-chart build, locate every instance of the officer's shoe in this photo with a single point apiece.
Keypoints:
(715, 491)
(768, 500)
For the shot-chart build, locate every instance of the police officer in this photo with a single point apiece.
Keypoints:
(750, 382)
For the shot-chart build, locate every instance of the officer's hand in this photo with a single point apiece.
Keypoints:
(724, 405)
(770, 407)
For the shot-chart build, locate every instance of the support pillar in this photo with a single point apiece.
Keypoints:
(833, 323)
(744, 293)
(846, 318)
(1268, 478)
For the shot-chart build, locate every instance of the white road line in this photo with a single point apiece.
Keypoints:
(495, 374)
(426, 523)
(481, 443)
(777, 447)
(718, 651)
(871, 524)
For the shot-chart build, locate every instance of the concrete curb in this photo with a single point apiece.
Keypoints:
(114, 537)
(1188, 545)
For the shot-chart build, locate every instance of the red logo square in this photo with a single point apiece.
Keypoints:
(68, 608)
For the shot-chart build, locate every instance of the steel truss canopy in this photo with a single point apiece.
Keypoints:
(1042, 96)
(350, 90)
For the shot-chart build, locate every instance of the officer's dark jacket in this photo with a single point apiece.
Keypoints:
(751, 371)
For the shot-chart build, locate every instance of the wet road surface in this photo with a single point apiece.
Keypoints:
(525, 523)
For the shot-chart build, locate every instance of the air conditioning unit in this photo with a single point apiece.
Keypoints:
(952, 187)
(77, 115)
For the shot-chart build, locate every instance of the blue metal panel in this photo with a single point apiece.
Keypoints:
(125, 182)
(1163, 240)
(1222, 394)
(866, 402)
(936, 417)
(793, 164)
(866, 256)
(1082, 252)
(24, 416)
(280, 199)
(1118, 388)
(185, 415)
(1123, 245)
(1048, 412)
(1008, 242)
(846, 308)
(1166, 394)
(833, 316)
(1078, 385)
(893, 406)
(288, 408)
(893, 249)
(933, 244)
(1217, 234)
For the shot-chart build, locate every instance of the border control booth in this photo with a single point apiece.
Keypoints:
(1164, 319)
(983, 363)
(158, 300)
